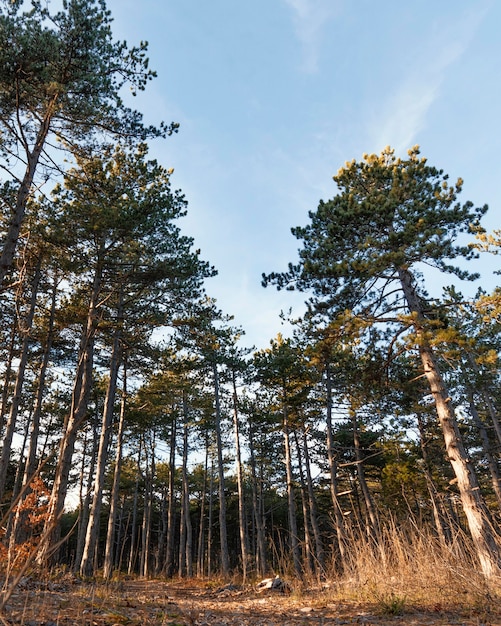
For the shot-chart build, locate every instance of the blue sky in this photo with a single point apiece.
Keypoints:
(273, 96)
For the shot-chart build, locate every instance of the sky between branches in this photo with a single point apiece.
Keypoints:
(273, 96)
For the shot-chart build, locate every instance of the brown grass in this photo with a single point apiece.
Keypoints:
(408, 578)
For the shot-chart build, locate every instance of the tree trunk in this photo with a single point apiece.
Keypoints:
(201, 527)
(32, 158)
(115, 490)
(87, 566)
(133, 535)
(474, 507)
(486, 447)
(291, 502)
(308, 558)
(31, 461)
(319, 549)
(171, 513)
(225, 556)
(331, 457)
(21, 370)
(371, 514)
(441, 523)
(244, 542)
(186, 534)
(85, 492)
(257, 509)
(78, 412)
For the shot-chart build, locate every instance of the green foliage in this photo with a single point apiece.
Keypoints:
(389, 215)
(66, 68)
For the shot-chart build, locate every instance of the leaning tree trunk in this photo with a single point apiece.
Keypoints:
(78, 412)
(16, 220)
(474, 507)
(21, 370)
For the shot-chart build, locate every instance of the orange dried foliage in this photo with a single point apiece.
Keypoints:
(30, 516)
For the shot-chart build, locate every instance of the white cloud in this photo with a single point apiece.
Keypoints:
(403, 114)
(310, 18)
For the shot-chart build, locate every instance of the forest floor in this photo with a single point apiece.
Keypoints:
(193, 603)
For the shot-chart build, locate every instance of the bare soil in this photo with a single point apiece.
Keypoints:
(159, 603)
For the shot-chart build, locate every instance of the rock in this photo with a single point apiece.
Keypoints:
(273, 584)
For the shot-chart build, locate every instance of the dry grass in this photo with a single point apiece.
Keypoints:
(408, 578)
(410, 567)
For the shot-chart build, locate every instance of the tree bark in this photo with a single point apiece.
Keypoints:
(225, 556)
(21, 370)
(331, 457)
(115, 490)
(291, 502)
(474, 507)
(87, 566)
(32, 159)
(244, 542)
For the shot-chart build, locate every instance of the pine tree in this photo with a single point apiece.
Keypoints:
(360, 253)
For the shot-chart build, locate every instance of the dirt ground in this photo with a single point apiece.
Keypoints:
(161, 603)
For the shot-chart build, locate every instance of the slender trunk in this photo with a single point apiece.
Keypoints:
(21, 370)
(308, 560)
(257, 509)
(32, 159)
(149, 477)
(474, 507)
(486, 396)
(8, 374)
(31, 461)
(85, 492)
(87, 566)
(133, 535)
(486, 446)
(78, 412)
(171, 513)
(439, 516)
(371, 514)
(332, 459)
(186, 540)
(244, 542)
(223, 539)
(291, 502)
(319, 549)
(210, 521)
(201, 527)
(115, 490)
(162, 530)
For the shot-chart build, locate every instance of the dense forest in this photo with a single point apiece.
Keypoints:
(140, 435)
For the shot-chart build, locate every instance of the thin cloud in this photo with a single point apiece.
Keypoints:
(310, 17)
(406, 110)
